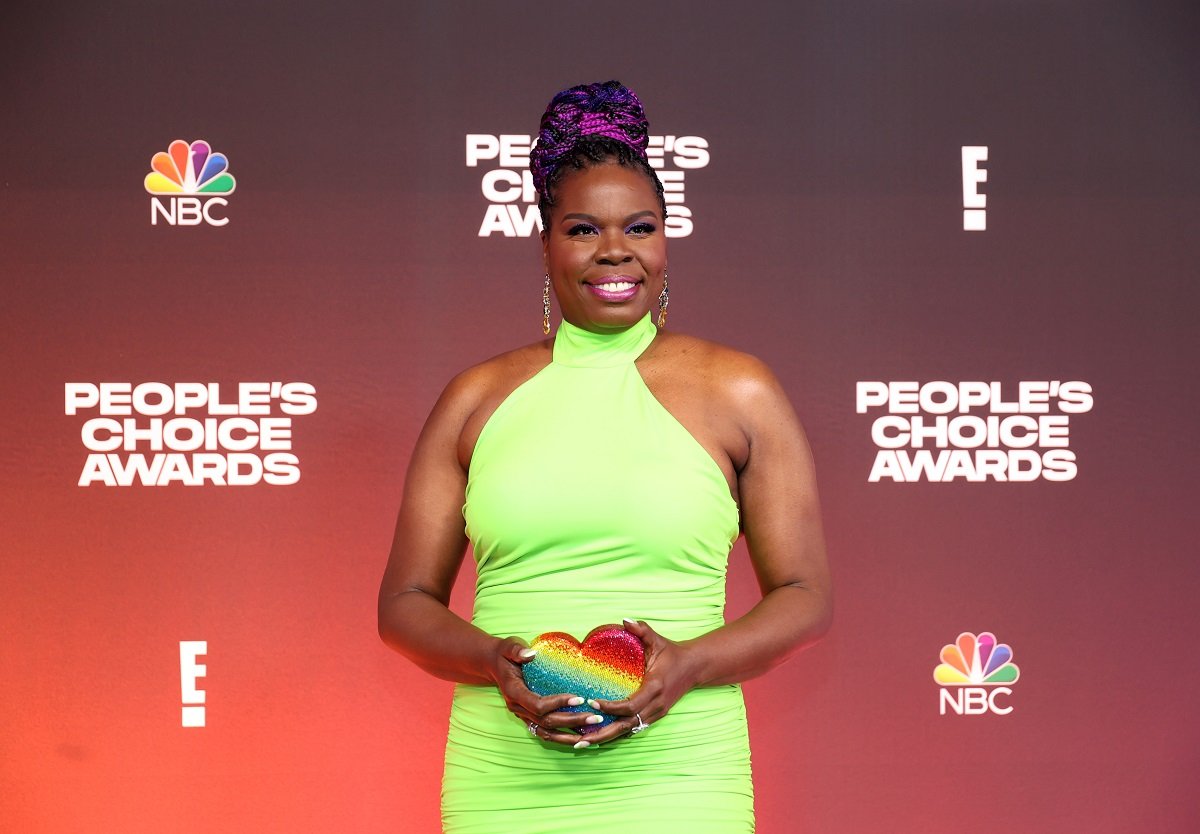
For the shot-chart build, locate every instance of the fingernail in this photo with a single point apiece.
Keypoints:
(574, 702)
(595, 719)
(528, 652)
(593, 704)
(579, 745)
(629, 621)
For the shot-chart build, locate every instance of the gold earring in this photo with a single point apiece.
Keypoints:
(546, 306)
(663, 300)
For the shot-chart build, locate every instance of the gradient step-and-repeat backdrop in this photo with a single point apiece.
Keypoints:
(245, 245)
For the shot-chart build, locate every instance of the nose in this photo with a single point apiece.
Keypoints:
(613, 248)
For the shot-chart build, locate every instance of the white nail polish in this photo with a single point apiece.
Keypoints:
(593, 704)
(595, 719)
(528, 652)
(629, 621)
(574, 702)
(579, 745)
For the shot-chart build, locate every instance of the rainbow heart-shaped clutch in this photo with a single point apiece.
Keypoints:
(608, 665)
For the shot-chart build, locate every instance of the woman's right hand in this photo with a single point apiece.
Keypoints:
(545, 713)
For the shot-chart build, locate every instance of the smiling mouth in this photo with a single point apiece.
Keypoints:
(614, 290)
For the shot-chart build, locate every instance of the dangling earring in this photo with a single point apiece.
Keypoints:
(546, 306)
(663, 301)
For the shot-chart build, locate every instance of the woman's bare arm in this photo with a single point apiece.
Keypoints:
(781, 521)
(427, 551)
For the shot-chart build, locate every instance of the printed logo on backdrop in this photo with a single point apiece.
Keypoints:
(190, 672)
(973, 431)
(974, 674)
(190, 433)
(187, 183)
(974, 203)
(511, 198)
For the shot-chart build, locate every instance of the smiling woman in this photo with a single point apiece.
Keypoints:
(605, 251)
(604, 475)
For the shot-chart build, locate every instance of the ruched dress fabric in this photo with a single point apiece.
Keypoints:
(587, 502)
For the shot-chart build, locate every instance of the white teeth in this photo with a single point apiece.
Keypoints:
(616, 286)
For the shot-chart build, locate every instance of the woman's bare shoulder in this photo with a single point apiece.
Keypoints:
(506, 370)
(472, 395)
(723, 370)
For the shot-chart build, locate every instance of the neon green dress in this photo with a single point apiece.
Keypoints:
(588, 502)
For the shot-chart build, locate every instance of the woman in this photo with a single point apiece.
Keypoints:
(602, 474)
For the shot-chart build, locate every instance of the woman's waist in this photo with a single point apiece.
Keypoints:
(526, 613)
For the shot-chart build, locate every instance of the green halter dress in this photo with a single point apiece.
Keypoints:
(587, 502)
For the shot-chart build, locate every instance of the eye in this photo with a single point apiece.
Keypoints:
(642, 228)
(581, 229)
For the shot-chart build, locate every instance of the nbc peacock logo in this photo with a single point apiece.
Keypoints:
(973, 675)
(186, 184)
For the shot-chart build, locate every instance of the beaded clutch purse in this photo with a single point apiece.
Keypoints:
(608, 665)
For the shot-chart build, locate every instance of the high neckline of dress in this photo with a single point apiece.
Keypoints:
(579, 348)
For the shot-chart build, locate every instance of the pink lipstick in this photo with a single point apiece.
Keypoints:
(614, 288)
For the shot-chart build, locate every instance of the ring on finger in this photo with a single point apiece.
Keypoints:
(641, 725)
(533, 728)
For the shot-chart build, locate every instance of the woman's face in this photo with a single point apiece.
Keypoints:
(605, 249)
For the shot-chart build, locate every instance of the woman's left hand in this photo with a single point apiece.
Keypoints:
(670, 673)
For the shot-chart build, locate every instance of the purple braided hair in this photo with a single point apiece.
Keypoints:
(586, 125)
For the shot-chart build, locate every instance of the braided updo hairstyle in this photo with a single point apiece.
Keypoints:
(589, 125)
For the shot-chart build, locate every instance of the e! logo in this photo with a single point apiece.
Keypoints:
(974, 203)
(189, 672)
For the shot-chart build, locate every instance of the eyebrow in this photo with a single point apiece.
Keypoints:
(629, 219)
